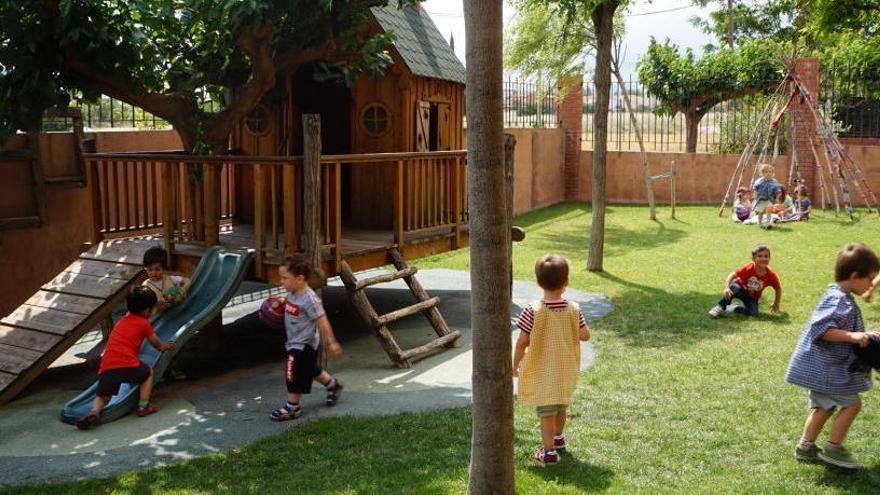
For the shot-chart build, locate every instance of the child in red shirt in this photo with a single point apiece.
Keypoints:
(746, 284)
(120, 363)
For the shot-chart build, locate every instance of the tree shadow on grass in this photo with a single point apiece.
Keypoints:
(571, 238)
(572, 471)
(865, 480)
(653, 317)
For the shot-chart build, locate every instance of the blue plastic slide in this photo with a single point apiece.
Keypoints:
(214, 282)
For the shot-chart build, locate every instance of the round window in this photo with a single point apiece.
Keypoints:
(374, 119)
(257, 121)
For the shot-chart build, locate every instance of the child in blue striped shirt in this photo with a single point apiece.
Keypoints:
(824, 361)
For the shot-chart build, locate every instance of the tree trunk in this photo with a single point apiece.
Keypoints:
(692, 123)
(603, 23)
(491, 468)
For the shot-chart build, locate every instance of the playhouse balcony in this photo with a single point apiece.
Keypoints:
(417, 201)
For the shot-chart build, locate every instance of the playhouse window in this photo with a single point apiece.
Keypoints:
(374, 119)
(257, 121)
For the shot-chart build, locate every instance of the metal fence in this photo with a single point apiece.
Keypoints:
(530, 104)
(110, 113)
(853, 98)
(724, 129)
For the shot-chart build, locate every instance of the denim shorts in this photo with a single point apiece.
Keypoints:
(550, 410)
(830, 402)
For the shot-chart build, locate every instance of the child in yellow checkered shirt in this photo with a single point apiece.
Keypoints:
(549, 350)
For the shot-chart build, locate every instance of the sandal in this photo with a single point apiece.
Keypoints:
(333, 393)
(285, 413)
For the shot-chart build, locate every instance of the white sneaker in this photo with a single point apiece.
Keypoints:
(716, 311)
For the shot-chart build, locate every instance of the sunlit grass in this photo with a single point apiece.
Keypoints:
(676, 403)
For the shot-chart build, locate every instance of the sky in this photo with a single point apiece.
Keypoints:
(658, 18)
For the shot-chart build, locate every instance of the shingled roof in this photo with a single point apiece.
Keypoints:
(419, 43)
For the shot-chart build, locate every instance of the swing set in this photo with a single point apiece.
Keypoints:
(837, 174)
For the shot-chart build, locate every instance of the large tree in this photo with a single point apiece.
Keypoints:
(693, 86)
(780, 20)
(166, 55)
(573, 25)
(491, 469)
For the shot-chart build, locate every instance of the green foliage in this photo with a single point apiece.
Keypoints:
(684, 83)
(539, 43)
(779, 20)
(552, 39)
(135, 49)
(833, 16)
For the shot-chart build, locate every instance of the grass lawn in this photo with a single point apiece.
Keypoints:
(676, 403)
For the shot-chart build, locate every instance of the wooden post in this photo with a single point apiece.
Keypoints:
(337, 217)
(311, 235)
(456, 188)
(169, 217)
(509, 147)
(212, 207)
(398, 205)
(672, 189)
(259, 216)
(93, 181)
(288, 186)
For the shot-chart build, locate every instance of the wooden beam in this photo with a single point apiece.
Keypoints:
(288, 186)
(93, 182)
(388, 277)
(407, 311)
(398, 203)
(259, 217)
(456, 194)
(337, 217)
(212, 204)
(443, 341)
(40, 202)
(311, 236)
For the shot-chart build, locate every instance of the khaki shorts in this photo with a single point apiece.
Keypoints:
(830, 402)
(544, 411)
(762, 205)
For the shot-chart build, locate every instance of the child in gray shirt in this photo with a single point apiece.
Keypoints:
(305, 325)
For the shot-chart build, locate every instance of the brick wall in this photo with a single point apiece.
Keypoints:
(570, 114)
(802, 120)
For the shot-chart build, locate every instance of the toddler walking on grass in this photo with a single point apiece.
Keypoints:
(824, 361)
(549, 350)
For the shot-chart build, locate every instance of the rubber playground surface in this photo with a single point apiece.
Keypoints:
(224, 402)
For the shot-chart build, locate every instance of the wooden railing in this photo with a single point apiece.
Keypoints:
(135, 193)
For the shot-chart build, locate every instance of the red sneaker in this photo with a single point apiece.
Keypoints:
(546, 457)
(146, 411)
(559, 442)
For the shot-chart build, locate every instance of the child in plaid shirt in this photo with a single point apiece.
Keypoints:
(824, 362)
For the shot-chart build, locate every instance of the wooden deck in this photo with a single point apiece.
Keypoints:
(361, 248)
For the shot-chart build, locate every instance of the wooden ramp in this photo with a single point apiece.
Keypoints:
(426, 304)
(78, 299)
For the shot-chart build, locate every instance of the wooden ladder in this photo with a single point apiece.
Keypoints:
(426, 304)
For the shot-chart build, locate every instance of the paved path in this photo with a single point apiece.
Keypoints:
(228, 405)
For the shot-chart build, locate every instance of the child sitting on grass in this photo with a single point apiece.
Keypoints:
(783, 208)
(169, 289)
(303, 319)
(824, 362)
(550, 330)
(120, 363)
(803, 205)
(746, 284)
(742, 207)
